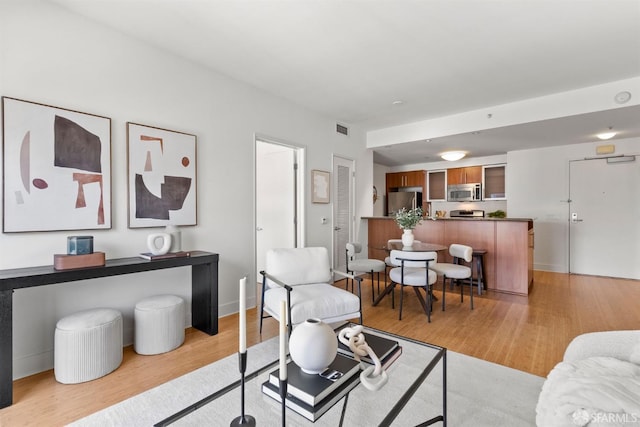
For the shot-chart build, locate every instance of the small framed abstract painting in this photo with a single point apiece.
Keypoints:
(162, 177)
(320, 184)
(56, 170)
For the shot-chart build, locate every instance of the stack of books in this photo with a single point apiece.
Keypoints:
(311, 395)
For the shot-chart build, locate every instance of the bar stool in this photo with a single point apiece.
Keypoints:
(478, 261)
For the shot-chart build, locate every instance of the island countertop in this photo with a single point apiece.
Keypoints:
(508, 243)
(457, 219)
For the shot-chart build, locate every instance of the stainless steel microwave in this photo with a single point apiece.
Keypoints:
(464, 193)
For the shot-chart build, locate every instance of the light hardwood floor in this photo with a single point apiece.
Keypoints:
(529, 334)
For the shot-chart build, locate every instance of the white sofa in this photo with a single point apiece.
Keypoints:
(596, 384)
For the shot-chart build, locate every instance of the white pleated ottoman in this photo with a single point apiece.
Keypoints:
(159, 324)
(87, 345)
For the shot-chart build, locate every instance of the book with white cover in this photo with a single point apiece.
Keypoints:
(312, 388)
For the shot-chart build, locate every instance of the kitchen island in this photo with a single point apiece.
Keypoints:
(508, 242)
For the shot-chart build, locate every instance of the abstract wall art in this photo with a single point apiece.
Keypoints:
(56, 168)
(162, 177)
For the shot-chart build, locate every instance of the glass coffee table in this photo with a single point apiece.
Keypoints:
(415, 394)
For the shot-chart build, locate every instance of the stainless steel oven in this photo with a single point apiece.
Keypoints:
(464, 192)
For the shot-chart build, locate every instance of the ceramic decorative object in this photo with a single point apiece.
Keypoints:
(407, 237)
(159, 243)
(176, 238)
(313, 346)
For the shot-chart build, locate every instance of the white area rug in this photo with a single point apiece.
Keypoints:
(479, 393)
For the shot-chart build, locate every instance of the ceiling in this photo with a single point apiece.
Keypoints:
(351, 59)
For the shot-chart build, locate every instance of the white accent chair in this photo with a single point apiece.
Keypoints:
(415, 271)
(363, 265)
(304, 279)
(455, 271)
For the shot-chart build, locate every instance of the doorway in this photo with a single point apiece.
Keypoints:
(604, 214)
(343, 209)
(278, 199)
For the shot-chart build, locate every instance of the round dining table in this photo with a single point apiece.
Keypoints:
(415, 247)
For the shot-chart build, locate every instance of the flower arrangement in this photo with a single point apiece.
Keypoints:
(409, 219)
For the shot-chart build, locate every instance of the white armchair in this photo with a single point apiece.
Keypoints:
(303, 278)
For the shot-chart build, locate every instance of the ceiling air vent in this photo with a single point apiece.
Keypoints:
(342, 129)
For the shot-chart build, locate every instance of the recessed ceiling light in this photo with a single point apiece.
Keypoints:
(622, 97)
(452, 156)
(606, 135)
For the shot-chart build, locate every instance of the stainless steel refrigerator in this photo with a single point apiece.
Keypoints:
(403, 199)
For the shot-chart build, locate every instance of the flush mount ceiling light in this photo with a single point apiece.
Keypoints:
(606, 135)
(452, 156)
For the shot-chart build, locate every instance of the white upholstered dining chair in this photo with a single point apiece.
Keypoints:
(456, 271)
(304, 279)
(414, 270)
(363, 265)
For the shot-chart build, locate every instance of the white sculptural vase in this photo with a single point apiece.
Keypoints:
(159, 243)
(313, 345)
(407, 237)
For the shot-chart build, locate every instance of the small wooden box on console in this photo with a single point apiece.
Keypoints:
(67, 262)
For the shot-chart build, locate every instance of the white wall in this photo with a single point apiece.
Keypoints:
(538, 188)
(50, 56)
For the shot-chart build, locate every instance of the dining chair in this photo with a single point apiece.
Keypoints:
(387, 260)
(363, 265)
(414, 270)
(304, 279)
(455, 271)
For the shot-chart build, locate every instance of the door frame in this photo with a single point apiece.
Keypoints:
(300, 193)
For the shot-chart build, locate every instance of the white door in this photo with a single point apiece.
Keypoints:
(604, 218)
(343, 209)
(276, 199)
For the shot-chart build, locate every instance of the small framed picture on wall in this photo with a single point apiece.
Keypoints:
(320, 186)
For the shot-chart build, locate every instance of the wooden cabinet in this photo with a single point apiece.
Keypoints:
(395, 180)
(468, 175)
(493, 182)
(405, 179)
(514, 260)
(437, 186)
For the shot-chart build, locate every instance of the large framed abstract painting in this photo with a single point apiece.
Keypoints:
(56, 168)
(162, 177)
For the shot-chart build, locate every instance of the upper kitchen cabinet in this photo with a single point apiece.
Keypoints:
(436, 186)
(468, 175)
(405, 179)
(493, 182)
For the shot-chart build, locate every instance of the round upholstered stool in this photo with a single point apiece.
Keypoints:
(87, 345)
(159, 324)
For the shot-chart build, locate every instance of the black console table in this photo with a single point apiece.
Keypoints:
(204, 298)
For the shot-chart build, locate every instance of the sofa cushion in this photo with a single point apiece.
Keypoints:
(593, 391)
